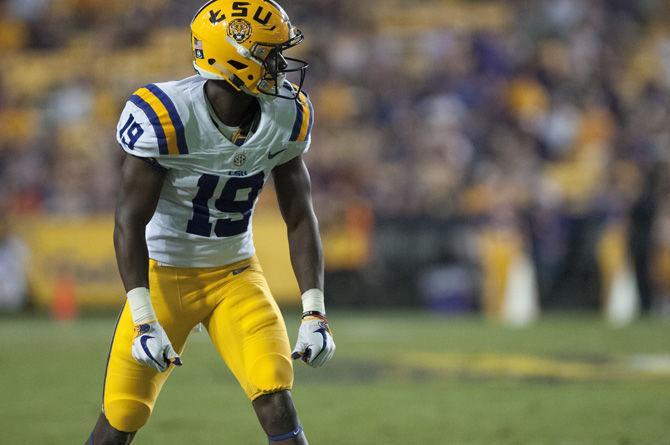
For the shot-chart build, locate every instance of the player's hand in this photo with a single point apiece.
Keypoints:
(152, 347)
(315, 345)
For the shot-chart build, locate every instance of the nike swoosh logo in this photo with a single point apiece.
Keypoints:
(321, 331)
(272, 155)
(143, 341)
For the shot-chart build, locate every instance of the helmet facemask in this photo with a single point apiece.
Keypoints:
(277, 66)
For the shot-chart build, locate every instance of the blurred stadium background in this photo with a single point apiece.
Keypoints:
(476, 165)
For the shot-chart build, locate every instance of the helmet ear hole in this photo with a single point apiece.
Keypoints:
(237, 65)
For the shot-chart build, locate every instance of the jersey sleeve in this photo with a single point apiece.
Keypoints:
(150, 126)
(301, 132)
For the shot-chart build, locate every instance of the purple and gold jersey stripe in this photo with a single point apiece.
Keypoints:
(174, 117)
(154, 120)
(304, 119)
(163, 117)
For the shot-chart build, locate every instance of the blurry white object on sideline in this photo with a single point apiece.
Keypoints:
(623, 302)
(520, 304)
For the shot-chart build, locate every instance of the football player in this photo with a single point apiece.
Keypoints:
(198, 152)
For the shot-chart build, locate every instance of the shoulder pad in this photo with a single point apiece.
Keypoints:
(299, 121)
(151, 125)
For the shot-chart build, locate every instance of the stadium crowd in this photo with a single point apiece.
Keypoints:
(547, 118)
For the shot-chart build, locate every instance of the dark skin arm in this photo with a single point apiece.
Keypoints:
(140, 189)
(293, 188)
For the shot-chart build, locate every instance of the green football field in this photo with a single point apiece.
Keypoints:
(397, 378)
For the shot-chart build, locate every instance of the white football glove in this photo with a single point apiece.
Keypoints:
(152, 347)
(315, 345)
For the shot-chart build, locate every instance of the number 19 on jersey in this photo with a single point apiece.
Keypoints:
(237, 199)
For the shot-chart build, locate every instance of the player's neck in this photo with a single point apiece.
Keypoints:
(232, 107)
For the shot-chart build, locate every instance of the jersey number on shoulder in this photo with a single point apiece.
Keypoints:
(130, 132)
(237, 197)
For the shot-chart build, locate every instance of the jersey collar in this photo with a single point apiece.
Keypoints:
(233, 135)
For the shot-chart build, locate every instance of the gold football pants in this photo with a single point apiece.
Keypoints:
(236, 307)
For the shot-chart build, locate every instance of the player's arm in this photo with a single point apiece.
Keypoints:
(138, 196)
(140, 189)
(293, 187)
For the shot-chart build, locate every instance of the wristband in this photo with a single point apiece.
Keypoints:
(140, 305)
(316, 314)
(312, 300)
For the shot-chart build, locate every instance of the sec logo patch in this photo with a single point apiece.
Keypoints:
(239, 159)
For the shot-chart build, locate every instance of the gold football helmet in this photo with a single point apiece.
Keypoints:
(243, 43)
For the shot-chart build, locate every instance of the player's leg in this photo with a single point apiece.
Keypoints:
(130, 389)
(106, 434)
(248, 330)
(278, 418)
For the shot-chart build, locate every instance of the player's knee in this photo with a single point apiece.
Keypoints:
(271, 372)
(127, 415)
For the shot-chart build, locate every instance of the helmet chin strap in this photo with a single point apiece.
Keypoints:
(231, 77)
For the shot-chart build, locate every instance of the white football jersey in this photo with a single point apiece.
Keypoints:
(203, 217)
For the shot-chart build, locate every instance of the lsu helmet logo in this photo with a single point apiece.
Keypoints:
(240, 30)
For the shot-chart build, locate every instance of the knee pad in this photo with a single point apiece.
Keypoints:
(271, 372)
(127, 415)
